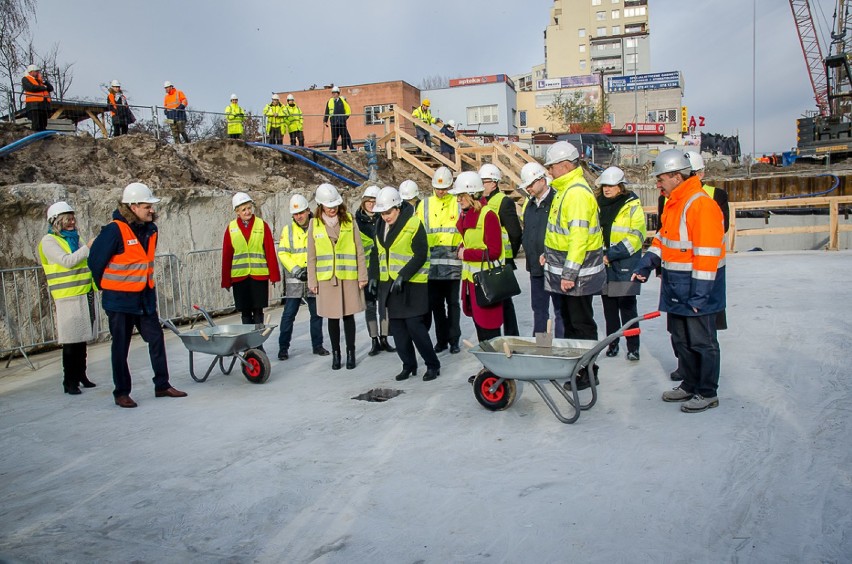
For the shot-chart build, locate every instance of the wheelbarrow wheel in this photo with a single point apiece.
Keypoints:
(257, 372)
(503, 397)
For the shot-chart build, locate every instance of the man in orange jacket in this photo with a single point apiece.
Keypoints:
(37, 97)
(690, 248)
(175, 104)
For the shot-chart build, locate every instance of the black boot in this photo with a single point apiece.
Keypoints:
(613, 349)
(376, 348)
(71, 389)
(385, 345)
(86, 383)
(350, 359)
(335, 360)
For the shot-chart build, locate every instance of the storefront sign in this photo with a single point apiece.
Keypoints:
(568, 82)
(645, 128)
(650, 81)
(488, 79)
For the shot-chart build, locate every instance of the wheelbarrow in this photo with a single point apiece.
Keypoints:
(523, 359)
(237, 342)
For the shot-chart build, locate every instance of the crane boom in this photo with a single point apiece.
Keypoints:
(812, 51)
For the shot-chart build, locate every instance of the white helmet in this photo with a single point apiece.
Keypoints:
(138, 193)
(276, 97)
(468, 182)
(408, 190)
(33, 68)
(371, 192)
(489, 171)
(335, 89)
(298, 204)
(696, 161)
(387, 199)
(672, 160)
(561, 151)
(613, 176)
(234, 97)
(452, 123)
(57, 209)
(442, 179)
(115, 84)
(290, 97)
(166, 84)
(328, 196)
(531, 172)
(239, 199)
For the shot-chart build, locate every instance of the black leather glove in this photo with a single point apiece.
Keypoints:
(303, 276)
(373, 287)
(396, 287)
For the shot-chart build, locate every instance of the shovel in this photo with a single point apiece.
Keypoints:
(545, 340)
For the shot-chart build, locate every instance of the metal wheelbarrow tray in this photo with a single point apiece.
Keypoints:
(507, 359)
(239, 342)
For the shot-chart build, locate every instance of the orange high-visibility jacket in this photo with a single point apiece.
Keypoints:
(132, 269)
(35, 97)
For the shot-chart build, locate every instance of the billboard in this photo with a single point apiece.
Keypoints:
(650, 81)
(568, 82)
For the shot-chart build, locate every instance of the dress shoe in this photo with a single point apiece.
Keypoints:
(73, 390)
(612, 350)
(86, 383)
(454, 348)
(320, 351)
(633, 355)
(124, 401)
(441, 347)
(350, 359)
(404, 375)
(383, 341)
(376, 348)
(283, 354)
(431, 374)
(170, 393)
(335, 360)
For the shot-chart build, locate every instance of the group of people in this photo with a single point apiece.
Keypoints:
(409, 263)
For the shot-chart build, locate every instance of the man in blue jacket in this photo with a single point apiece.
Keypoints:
(122, 264)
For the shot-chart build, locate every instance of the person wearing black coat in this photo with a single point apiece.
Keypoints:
(402, 287)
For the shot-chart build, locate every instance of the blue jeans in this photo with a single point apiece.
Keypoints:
(540, 300)
(288, 316)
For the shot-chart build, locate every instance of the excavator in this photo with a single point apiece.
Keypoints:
(826, 131)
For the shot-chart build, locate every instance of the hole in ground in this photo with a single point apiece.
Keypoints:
(378, 394)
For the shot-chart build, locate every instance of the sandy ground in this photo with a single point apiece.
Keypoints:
(295, 470)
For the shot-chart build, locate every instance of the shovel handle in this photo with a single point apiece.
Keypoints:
(267, 319)
(549, 326)
(468, 344)
(506, 350)
(204, 335)
(267, 331)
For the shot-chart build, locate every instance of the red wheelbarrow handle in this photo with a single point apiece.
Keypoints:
(651, 315)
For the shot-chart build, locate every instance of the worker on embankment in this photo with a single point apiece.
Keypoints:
(37, 97)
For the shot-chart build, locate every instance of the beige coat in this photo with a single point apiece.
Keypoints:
(337, 298)
(76, 316)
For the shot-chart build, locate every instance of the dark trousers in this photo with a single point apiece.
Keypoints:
(73, 363)
(348, 330)
(625, 307)
(38, 117)
(410, 333)
(540, 300)
(579, 318)
(119, 128)
(339, 130)
(288, 316)
(484, 334)
(121, 328)
(235, 136)
(252, 316)
(274, 136)
(298, 138)
(446, 293)
(699, 358)
(510, 320)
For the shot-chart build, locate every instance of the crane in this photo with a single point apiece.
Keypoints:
(812, 51)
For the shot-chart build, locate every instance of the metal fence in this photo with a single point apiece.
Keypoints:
(27, 317)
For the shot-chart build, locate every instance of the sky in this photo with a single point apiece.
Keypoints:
(211, 49)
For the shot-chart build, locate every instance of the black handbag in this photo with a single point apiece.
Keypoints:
(495, 284)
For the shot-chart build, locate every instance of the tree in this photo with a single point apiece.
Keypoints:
(433, 82)
(58, 74)
(574, 112)
(15, 18)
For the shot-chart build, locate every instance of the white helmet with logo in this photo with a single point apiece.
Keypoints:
(387, 199)
(467, 182)
(298, 204)
(561, 151)
(328, 196)
(408, 190)
(531, 172)
(371, 192)
(138, 193)
(613, 176)
(57, 209)
(672, 160)
(696, 161)
(442, 179)
(490, 171)
(239, 199)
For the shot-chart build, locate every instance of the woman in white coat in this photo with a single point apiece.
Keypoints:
(70, 284)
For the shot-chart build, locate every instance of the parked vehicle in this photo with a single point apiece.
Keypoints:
(593, 147)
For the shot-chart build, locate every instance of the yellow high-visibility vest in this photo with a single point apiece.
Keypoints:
(475, 239)
(293, 247)
(249, 258)
(494, 203)
(340, 260)
(65, 282)
(392, 260)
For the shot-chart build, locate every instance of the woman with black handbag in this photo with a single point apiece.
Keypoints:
(402, 267)
(482, 243)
